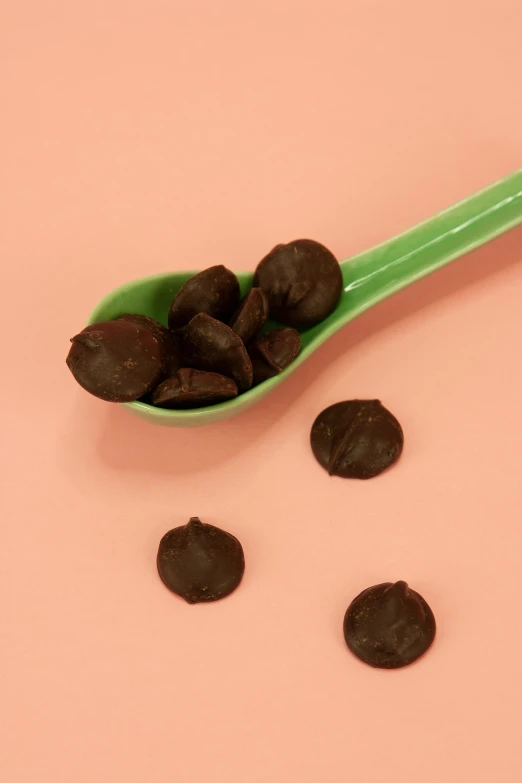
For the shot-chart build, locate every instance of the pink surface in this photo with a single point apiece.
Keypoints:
(148, 136)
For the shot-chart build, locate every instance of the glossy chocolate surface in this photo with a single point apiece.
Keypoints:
(273, 351)
(389, 625)
(200, 562)
(303, 282)
(193, 389)
(214, 291)
(211, 345)
(251, 315)
(117, 361)
(356, 439)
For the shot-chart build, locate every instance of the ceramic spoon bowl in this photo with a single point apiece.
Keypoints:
(368, 278)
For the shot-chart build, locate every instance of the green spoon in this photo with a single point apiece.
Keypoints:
(368, 278)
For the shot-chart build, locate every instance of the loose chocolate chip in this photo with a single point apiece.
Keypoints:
(303, 282)
(356, 439)
(211, 345)
(193, 389)
(117, 361)
(274, 351)
(171, 342)
(215, 291)
(200, 562)
(251, 315)
(389, 625)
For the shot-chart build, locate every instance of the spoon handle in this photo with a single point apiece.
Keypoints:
(377, 273)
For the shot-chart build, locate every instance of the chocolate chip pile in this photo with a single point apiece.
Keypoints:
(214, 347)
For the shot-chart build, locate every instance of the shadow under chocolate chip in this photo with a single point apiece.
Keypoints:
(356, 439)
(200, 562)
(389, 626)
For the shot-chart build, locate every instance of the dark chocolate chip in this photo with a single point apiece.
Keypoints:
(211, 345)
(146, 321)
(215, 291)
(193, 389)
(303, 282)
(251, 315)
(200, 562)
(274, 351)
(389, 625)
(117, 361)
(171, 341)
(356, 439)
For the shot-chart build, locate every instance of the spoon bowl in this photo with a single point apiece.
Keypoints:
(368, 278)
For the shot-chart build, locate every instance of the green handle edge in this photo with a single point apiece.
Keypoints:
(383, 270)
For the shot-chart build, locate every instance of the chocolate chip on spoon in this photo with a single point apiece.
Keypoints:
(200, 562)
(193, 389)
(273, 351)
(214, 291)
(117, 361)
(211, 345)
(303, 282)
(251, 315)
(356, 439)
(389, 625)
(170, 341)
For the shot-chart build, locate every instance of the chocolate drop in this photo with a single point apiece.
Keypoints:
(211, 345)
(117, 361)
(200, 562)
(193, 389)
(389, 625)
(252, 314)
(171, 342)
(214, 291)
(303, 282)
(356, 439)
(273, 351)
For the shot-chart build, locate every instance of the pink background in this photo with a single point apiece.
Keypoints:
(148, 136)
